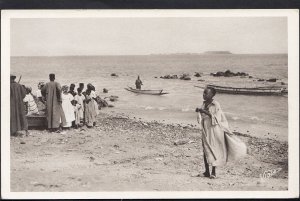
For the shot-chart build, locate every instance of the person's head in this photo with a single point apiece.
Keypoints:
(88, 92)
(64, 89)
(79, 90)
(81, 86)
(28, 90)
(12, 77)
(72, 87)
(40, 85)
(209, 93)
(138, 77)
(52, 77)
(89, 86)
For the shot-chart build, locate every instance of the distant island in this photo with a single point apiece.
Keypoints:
(191, 54)
(217, 52)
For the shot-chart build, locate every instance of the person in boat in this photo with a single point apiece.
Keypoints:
(219, 144)
(55, 114)
(67, 106)
(18, 121)
(30, 103)
(138, 83)
(39, 98)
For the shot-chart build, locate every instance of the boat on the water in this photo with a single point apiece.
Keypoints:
(149, 92)
(266, 90)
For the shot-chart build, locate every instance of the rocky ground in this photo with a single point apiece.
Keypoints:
(122, 154)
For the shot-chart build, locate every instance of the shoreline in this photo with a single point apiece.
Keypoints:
(123, 154)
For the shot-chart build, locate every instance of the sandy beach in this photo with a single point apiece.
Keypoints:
(127, 154)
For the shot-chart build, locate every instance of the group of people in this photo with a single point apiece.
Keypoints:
(64, 107)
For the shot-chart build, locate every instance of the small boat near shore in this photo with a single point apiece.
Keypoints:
(149, 92)
(266, 90)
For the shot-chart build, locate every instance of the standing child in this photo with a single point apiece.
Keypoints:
(90, 117)
(30, 103)
(80, 98)
(219, 144)
(77, 107)
(67, 106)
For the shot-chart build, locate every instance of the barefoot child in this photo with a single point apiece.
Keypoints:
(30, 103)
(67, 106)
(80, 98)
(77, 108)
(219, 145)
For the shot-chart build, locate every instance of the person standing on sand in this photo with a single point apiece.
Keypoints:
(80, 98)
(18, 121)
(138, 83)
(219, 144)
(55, 113)
(67, 106)
(89, 110)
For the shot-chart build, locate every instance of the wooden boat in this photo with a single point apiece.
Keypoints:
(149, 92)
(35, 121)
(271, 90)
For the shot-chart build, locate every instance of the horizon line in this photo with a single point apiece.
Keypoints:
(156, 54)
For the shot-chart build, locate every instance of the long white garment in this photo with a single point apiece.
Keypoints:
(68, 109)
(79, 99)
(219, 144)
(93, 95)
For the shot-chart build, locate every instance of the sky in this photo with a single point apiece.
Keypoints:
(143, 36)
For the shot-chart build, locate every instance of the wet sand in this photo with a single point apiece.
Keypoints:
(124, 154)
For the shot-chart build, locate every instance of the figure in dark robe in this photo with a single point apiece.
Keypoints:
(18, 121)
(55, 113)
(138, 83)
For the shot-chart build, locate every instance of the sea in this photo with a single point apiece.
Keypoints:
(260, 116)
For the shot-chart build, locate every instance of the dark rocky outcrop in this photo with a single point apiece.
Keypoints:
(185, 77)
(105, 90)
(114, 75)
(101, 102)
(228, 73)
(271, 80)
(197, 74)
(169, 77)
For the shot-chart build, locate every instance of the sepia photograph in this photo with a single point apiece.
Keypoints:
(150, 103)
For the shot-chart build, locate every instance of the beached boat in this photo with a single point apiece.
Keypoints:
(149, 92)
(35, 121)
(266, 90)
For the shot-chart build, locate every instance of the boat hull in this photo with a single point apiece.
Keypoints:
(263, 91)
(148, 92)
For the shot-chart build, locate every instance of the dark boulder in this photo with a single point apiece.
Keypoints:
(271, 80)
(197, 74)
(185, 77)
(169, 77)
(105, 90)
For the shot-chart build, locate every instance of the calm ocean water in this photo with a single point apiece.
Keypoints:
(258, 115)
